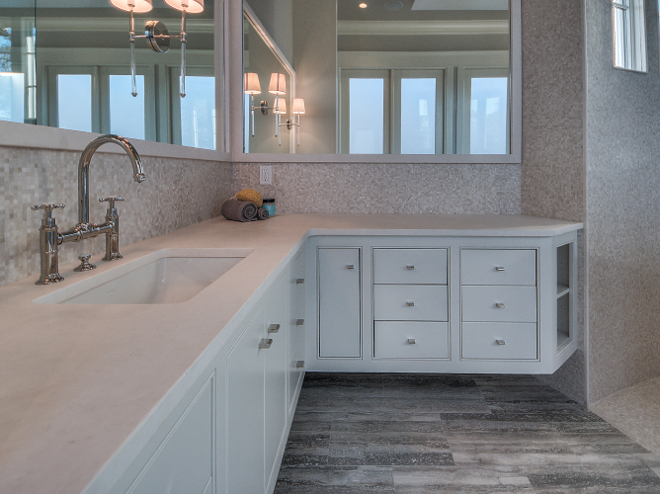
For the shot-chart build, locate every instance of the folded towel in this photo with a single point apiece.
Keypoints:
(263, 214)
(239, 210)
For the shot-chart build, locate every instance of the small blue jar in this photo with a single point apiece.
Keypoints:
(269, 205)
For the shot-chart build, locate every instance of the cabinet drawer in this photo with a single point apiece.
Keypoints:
(411, 340)
(498, 267)
(499, 341)
(410, 303)
(499, 303)
(410, 266)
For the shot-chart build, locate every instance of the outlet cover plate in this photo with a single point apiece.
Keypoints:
(266, 175)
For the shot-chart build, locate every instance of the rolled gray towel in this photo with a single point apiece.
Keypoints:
(263, 214)
(233, 209)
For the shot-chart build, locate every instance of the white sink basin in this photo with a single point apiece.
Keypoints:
(167, 276)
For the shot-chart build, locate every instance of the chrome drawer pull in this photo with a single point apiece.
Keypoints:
(410, 304)
(265, 343)
(300, 322)
(300, 281)
(499, 268)
(350, 266)
(273, 328)
(411, 341)
(300, 364)
(500, 342)
(410, 267)
(499, 305)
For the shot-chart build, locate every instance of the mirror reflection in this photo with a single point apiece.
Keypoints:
(396, 76)
(68, 64)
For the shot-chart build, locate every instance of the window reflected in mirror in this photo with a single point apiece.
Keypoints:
(397, 77)
(67, 64)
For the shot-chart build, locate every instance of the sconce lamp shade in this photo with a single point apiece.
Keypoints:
(298, 107)
(251, 83)
(138, 6)
(281, 107)
(190, 6)
(277, 84)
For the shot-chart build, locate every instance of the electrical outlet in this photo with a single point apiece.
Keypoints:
(266, 175)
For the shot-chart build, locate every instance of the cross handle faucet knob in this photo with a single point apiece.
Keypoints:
(48, 207)
(111, 200)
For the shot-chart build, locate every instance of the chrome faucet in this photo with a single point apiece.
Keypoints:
(49, 236)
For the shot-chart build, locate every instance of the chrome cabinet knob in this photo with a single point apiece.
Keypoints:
(410, 303)
(273, 328)
(265, 343)
(300, 364)
(410, 267)
(411, 341)
(500, 342)
(350, 266)
(499, 268)
(499, 305)
(300, 322)
(300, 281)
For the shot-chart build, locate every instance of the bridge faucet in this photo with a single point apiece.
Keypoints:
(49, 236)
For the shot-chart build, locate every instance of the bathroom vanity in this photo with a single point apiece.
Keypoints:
(198, 396)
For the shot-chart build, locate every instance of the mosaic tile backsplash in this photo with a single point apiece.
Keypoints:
(176, 193)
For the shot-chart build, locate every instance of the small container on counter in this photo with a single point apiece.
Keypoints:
(269, 205)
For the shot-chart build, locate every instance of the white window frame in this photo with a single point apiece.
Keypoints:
(629, 35)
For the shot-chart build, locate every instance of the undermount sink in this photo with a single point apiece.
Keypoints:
(167, 276)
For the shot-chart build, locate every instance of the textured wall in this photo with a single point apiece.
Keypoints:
(387, 188)
(177, 193)
(553, 172)
(623, 180)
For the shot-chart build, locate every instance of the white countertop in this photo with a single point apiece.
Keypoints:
(76, 380)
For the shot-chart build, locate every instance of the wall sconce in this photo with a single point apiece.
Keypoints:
(251, 86)
(156, 33)
(297, 109)
(277, 87)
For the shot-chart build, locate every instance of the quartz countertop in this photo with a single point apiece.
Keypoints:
(77, 380)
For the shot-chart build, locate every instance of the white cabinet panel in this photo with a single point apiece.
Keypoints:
(411, 340)
(245, 412)
(498, 267)
(275, 373)
(410, 302)
(339, 302)
(499, 341)
(499, 303)
(410, 266)
(296, 337)
(184, 460)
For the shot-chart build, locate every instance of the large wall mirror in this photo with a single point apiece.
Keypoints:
(433, 78)
(67, 64)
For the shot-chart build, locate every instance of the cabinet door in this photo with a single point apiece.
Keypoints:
(339, 302)
(245, 412)
(296, 343)
(183, 462)
(276, 328)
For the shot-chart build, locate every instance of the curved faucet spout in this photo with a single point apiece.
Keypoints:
(83, 171)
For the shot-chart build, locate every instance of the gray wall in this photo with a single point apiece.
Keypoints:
(553, 172)
(177, 193)
(623, 210)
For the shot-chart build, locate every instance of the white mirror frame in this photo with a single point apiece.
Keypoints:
(235, 59)
(14, 134)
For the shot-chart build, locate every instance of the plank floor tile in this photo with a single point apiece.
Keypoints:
(419, 434)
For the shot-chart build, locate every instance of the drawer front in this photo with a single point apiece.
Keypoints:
(499, 341)
(411, 340)
(410, 266)
(499, 303)
(410, 303)
(498, 267)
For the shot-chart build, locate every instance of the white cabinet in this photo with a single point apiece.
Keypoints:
(483, 304)
(339, 315)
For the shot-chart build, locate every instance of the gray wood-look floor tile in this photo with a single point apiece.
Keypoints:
(419, 434)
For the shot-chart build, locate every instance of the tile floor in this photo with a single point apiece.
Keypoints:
(421, 434)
